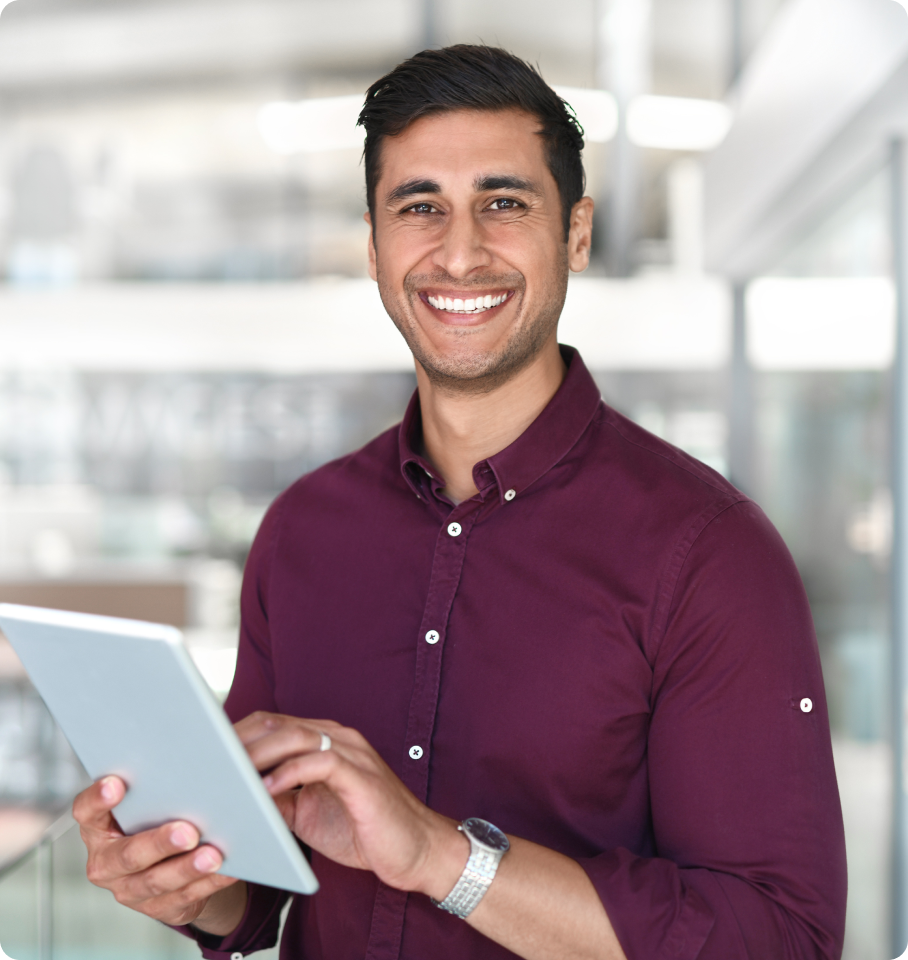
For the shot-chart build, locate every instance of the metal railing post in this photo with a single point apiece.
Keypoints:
(45, 865)
(899, 581)
(740, 398)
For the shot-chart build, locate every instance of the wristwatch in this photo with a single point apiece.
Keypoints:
(487, 846)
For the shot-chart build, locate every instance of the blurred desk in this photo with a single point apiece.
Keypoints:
(158, 600)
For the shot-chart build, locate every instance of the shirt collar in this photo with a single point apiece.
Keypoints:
(545, 442)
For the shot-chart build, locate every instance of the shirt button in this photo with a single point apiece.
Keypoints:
(415, 753)
(432, 636)
(236, 956)
(510, 494)
(454, 529)
(806, 705)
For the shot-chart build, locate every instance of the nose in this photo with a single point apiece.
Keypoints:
(462, 247)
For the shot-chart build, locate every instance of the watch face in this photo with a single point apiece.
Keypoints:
(486, 833)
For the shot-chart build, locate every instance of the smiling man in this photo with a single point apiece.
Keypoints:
(571, 697)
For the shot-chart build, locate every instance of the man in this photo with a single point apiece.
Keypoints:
(517, 606)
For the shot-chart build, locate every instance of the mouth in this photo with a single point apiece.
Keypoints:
(466, 306)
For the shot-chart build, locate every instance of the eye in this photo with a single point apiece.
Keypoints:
(505, 203)
(422, 208)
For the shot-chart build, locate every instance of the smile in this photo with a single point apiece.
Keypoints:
(469, 306)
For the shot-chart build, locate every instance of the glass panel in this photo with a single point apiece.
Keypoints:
(822, 456)
(87, 923)
(852, 241)
(19, 910)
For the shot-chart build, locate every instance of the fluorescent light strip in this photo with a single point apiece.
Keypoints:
(312, 126)
(677, 123)
(667, 123)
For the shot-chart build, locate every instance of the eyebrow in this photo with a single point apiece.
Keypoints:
(505, 182)
(412, 187)
(481, 184)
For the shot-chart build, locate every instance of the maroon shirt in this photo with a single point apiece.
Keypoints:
(604, 651)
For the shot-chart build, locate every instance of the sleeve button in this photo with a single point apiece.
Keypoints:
(806, 705)
(236, 956)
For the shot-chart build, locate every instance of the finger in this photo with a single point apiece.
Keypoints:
(284, 742)
(302, 770)
(169, 876)
(261, 724)
(91, 808)
(143, 850)
(126, 856)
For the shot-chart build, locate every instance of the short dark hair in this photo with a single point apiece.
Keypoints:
(473, 77)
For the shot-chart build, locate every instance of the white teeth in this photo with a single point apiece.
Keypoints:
(477, 305)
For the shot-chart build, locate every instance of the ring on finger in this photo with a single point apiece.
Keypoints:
(325, 742)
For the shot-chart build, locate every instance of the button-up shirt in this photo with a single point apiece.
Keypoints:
(607, 651)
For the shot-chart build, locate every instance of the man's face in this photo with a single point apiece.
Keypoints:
(469, 250)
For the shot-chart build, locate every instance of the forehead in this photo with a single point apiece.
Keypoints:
(459, 144)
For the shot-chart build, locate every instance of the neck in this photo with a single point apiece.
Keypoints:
(460, 429)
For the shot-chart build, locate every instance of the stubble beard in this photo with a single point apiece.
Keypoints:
(478, 372)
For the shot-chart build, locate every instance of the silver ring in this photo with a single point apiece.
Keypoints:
(325, 743)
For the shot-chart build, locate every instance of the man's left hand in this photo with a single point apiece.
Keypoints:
(346, 803)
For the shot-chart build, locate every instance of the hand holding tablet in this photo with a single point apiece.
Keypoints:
(164, 873)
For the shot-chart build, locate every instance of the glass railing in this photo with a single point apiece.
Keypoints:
(49, 911)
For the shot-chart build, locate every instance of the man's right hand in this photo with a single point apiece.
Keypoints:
(163, 873)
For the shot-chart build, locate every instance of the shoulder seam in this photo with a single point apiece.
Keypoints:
(669, 580)
(679, 464)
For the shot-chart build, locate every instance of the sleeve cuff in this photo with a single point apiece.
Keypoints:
(654, 914)
(257, 930)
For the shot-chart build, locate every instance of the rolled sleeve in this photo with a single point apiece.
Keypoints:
(256, 931)
(746, 817)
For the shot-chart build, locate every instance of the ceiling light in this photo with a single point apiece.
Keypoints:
(677, 123)
(312, 126)
(596, 110)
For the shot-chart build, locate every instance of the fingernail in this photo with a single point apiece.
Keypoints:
(108, 790)
(268, 781)
(180, 838)
(207, 861)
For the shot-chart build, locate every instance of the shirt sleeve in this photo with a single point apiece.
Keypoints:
(252, 689)
(745, 808)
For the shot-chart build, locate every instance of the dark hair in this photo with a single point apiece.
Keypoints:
(473, 77)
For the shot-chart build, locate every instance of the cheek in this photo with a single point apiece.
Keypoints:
(400, 254)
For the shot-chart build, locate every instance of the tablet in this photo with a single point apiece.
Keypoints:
(132, 703)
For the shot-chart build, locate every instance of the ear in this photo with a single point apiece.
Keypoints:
(580, 236)
(373, 271)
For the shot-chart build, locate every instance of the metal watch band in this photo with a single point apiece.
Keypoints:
(475, 880)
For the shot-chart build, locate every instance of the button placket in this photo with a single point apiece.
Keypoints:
(447, 565)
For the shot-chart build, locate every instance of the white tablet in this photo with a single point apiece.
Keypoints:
(132, 703)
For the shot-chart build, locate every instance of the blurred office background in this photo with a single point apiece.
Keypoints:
(186, 326)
